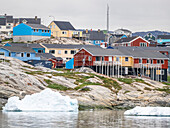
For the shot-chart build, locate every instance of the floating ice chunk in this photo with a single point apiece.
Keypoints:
(46, 100)
(148, 111)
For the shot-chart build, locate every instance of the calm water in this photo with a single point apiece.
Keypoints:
(83, 119)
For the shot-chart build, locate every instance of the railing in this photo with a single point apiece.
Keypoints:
(111, 63)
(148, 65)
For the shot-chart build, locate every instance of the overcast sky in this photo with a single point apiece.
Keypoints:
(135, 15)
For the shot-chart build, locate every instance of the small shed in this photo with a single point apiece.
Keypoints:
(70, 64)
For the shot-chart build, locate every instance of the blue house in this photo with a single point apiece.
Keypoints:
(163, 39)
(94, 37)
(21, 53)
(36, 47)
(30, 32)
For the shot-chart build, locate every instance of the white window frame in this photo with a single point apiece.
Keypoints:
(139, 60)
(90, 58)
(110, 58)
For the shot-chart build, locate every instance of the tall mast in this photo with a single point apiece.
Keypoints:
(108, 24)
(107, 18)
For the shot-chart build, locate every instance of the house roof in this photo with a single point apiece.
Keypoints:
(18, 49)
(47, 56)
(26, 45)
(38, 26)
(163, 37)
(125, 30)
(29, 20)
(128, 39)
(103, 52)
(67, 46)
(95, 35)
(136, 53)
(63, 25)
(142, 52)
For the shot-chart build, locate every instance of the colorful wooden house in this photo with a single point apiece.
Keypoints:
(150, 37)
(132, 41)
(163, 39)
(30, 32)
(118, 62)
(94, 37)
(21, 53)
(66, 52)
(36, 47)
(63, 29)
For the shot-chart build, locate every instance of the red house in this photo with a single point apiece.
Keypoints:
(132, 41)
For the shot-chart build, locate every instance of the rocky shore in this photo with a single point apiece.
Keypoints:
(92, 90)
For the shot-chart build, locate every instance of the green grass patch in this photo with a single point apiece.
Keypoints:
(165, 89)
(146, 88)
(126, 80)
(166, 83)
(109, 83)
(85, 89)
(85, 84)
(56, 86)
(168, 78)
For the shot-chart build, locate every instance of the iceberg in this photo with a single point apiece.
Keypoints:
(45, 101)
(148, 111)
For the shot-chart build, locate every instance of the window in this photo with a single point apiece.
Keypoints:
(65, 52)
(90, 58)
(37, 30)
(147, 61)
(143, 44)
(117, 58)
(40, 51)
(110, 58)
(28, 55)
(151, 61)
(54, 26)
(73, 52)
(102, 58)
(52, 51)
(18, 55)
(0, 27)
(34, 30)
(129, 44)
(98, 58)
(64, 32)
(48, 31)
(2, 53)
(42, 30)
(50, 26)
(126, 59)
(162, 61)
(162, 72)
(8, 27)
(59, 51)
(45, 30)
(140, 61)
(158, 61)
(9, 54)
(9, 24)
(22, 54)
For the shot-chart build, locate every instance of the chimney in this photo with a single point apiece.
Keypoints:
(36, 18)
(98, 30)
(86, 30)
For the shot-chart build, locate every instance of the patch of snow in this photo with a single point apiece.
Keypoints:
(148, 111)
(46, 100)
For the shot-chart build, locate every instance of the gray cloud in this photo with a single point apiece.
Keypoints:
(136, 15)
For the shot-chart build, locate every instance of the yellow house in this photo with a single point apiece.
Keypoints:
(63, 29)
(66, 52)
